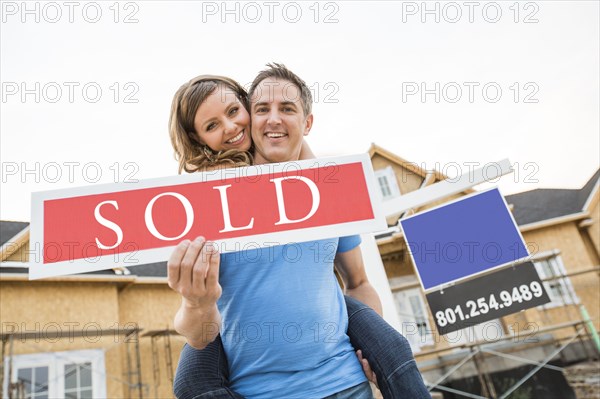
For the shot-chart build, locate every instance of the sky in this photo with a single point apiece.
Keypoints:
(87, 86)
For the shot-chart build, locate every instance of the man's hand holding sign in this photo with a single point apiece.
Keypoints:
(193, 271)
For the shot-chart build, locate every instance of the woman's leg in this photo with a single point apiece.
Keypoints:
(203, 374)
(387, 351)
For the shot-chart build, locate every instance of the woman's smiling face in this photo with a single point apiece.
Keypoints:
(222, 122)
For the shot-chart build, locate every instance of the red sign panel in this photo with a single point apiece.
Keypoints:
(93, 228)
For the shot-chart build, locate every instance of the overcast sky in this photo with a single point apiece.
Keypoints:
(87, 86)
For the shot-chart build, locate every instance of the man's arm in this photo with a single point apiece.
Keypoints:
(352, 270)
(193, 272)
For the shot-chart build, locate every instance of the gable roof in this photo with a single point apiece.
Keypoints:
(10, 229)
(411, 166)
(157, 269)
(548, 203)
(429, 177)
(590, 189)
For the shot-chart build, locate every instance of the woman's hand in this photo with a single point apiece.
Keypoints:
(370, 374)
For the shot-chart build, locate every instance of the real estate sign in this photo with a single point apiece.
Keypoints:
(103, 226)
(462, 251)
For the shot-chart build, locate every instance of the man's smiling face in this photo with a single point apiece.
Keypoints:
(278, 121)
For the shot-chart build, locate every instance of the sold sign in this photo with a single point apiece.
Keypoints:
(98, 227)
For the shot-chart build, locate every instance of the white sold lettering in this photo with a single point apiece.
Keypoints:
(189, 212)
(226, 216)
(316, 199)
(189, 216)
(107, 223)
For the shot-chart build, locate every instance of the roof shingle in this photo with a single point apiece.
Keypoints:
(547, 203)
(10, 229)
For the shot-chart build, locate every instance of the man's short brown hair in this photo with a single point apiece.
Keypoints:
(280, 71)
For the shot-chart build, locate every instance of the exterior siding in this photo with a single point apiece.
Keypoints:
(594, 229)
(21, 254)
(152, 307)
(52, 306)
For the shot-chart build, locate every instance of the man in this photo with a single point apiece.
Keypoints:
(284, 322)
(281, 108)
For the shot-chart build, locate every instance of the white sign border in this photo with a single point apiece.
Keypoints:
(39, 270)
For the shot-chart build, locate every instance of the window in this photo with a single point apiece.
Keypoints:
(414, 318)
(560, 290)
(78, 380)
(71, 375)
(387, 182)
(385, 187)
(487, 331)
(32, 382)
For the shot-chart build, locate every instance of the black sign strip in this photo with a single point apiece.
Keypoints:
(485, 298)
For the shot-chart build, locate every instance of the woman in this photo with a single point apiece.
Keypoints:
(191, 133)
(210, 129)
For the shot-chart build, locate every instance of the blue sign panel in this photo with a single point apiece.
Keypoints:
(463, 238)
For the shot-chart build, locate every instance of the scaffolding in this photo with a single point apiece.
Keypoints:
(136, 388)
(16, 388)
(134, 374)
(165, 335)
(479, 354)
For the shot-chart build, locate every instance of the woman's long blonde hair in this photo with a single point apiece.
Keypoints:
(190, 152)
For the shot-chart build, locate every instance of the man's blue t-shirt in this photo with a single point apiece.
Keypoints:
(285, 321)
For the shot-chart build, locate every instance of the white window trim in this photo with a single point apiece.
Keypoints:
(56, 361)
(478, 333)
(565, 283)
(408, 319)
(390, 176)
